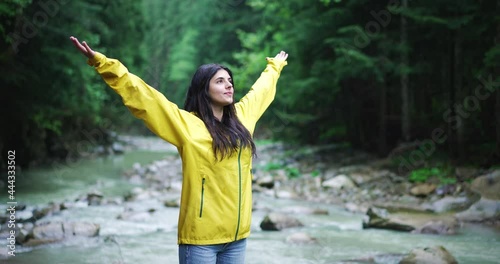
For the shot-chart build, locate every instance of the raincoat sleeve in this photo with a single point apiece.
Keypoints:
(161, 116)
(251, 107)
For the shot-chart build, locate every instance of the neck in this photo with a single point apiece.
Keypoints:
(218, 112)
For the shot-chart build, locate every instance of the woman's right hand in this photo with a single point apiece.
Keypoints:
(83, 47)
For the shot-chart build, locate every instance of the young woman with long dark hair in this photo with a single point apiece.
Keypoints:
(213, 135)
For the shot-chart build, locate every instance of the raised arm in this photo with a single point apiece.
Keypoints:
(160, 115)
(251, 107)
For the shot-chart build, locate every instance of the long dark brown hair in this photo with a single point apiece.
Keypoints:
(228, 134)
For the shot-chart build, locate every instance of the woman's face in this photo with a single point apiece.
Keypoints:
(221, 89)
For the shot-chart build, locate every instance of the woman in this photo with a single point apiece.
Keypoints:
(213, 135)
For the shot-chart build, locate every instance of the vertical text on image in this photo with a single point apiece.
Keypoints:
(11, 204)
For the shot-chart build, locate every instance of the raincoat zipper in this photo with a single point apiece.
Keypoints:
(239, 195)
(202, 193)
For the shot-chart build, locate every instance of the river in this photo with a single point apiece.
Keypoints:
(153, 240)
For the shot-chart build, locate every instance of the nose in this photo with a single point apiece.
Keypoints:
(229, 85)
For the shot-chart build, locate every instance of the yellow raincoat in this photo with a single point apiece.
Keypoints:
(216, 199)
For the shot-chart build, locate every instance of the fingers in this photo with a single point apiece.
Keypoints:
(83, 47)
(87, 47)
(77, 44)
(282, 55)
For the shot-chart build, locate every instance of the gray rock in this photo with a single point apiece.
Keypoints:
(301, 238)
(377, 219)
(51, 209)
(173, 203)
(83, 229)
(134, 216)
(339, 182)
(304, 210)
(438, 228)
(52, 232)
(423, 189)
(434, 255)
(278, 221)
(118, 148)
(488, 186)
(450, 204)
(266, 182)
(482, 210)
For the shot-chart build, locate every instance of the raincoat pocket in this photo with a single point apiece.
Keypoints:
(202, 196)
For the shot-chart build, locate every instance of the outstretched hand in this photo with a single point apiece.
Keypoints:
(83, 47)
(281, 56)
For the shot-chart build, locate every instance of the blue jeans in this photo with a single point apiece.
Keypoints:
(228, 253)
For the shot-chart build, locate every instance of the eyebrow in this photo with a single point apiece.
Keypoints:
(223, 78)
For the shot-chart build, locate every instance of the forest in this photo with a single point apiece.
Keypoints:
(415, 80)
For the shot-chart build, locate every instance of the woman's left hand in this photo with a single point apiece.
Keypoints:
(282, 56)
(83, 47)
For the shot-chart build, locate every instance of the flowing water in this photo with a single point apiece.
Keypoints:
(339, 234)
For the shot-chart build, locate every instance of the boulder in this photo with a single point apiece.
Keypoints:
(304, 210)
(377, 219)
(488, 186)
(134, 216)
(450, 203)
(482, 210)
(95, 198)
(339, 182)
(423, 189)
(278, 221)
(434, 255)
(81, 229)
(58, 231)
(301, 238)
(49, 210)
(176, 203)
(439, 227)
(266, 181)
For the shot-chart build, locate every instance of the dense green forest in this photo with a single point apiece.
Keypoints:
(414, 79)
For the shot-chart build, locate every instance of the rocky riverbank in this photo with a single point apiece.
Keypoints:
(368, 185)
(331, 174)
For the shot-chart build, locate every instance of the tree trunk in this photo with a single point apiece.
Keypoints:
(405, 98)
(460, 93)
(382, 142)
(452, 137)
(497, 106)
(498, 122)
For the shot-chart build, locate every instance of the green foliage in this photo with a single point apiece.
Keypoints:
(9, 9)
(335, 132)
(292, 173)
(289, 171)
(425, 174)
(273, 166)
(422, 175)
(447, 180)
(492, 57)
(342, 84)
